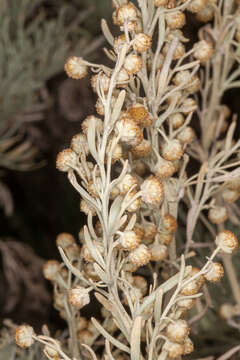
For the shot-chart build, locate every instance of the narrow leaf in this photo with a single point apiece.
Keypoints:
(136, 339)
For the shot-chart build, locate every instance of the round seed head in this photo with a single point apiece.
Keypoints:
(230, 196)
(196, 5)
(130, 240)
(152, 191)
(142, 150)
(188, 346)
(227, 241)
(175, 20)
(169, 223)
(85, 337)
(126, 13)
(173, 349)
(206, 14)
(24, 336)
(65, 239)
(127, 183)
(159, 252)
(203, 50)
(178, 53)
(166, 237)
(67, 159)
(189, 105)
(215, 272)
(176, 120)
(164, 168)
(142, 42)
(187, 135)
(72, 252)
(130, 132)
(178, 331)
(186, 303)
(51, 353)
(140, 256)
(138, 112)
(51, 269)
(150, 231)
(78, 297)
(102, 79)
(89, 121)
(172, 150)
(132, 63)
(218, 214)
(75, 68)
(79, 144)
(86, 208)
(135, 204)
(226, 311)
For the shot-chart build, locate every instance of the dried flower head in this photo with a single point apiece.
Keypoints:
(227, 241)
(51, 269)
(129, 240)
(178, 331)
(67, 160)
(159, 252)
(126, 13)
(78, 297)
(65, 239)
(173, 349)
(152, 191)
(175, 20)
(129, 131)
(218, 214)
(142, 42)
(203, 51)
(140, 256)
(172, 150)
(75, 68)
(215, 272)
(196, 5)
(24, 336)
(132, 63)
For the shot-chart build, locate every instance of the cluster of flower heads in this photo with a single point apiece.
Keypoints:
(126, 163)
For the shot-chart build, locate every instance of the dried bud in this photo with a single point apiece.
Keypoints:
(90, 119)
(218, 214)
(215, 272)
(75, 68)
(126, 13)
(173, 349)
(172, 150)
(187, 135)
(186, 303)
(67, 159)
(132, 63)
(127, 183)
(164, 168)
(51, 353)
(24, 336)
(85, 337)
(203, 50)
(102, 79)
(64, 240)
(51, 269)
(134, 204)
(169, 223)
(79, 144)
(142, 42)
(78, 297)
(226, 311)
(196, 5)
(189, 105)
(140, 256)
(130, 240)
(166, 237)
(152, 191)
(176, 120)
(139, 113)
(206, 14)
(130, 132)
(230, 196)
(159, 252)
(188, 346)
(178, 331)
(142, 150)
(86, 208)
(175, 20)
(119, 41)
(227, 241)
(178, 53)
